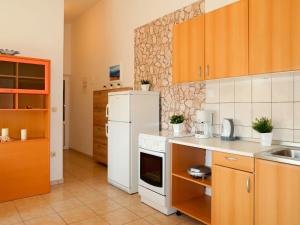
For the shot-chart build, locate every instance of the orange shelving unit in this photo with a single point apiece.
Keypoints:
(188, 194)
(24, 103)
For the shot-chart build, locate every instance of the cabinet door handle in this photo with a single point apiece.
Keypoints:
(106, 130)
(106, 111)
(200, 72)
(248, 185)
(207, 70)
(231, 159)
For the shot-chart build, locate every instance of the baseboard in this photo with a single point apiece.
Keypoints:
(55, 182)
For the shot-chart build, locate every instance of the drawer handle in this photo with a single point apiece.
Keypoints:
(248, 185)
(231, 159)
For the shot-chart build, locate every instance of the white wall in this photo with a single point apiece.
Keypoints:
(67, 49)
(35, 28)
(103, 36)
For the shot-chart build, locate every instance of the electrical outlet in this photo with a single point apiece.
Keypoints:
(53, 154)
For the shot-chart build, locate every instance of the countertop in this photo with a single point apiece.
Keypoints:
(244, 148)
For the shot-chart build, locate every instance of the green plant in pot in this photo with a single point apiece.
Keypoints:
(145, 85)
(264, 126)
(177, 122)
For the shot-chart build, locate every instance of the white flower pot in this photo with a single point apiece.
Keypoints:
(177, 128)
(145, 87)
(266, 139)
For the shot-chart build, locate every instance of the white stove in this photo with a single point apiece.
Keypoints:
(154, 170)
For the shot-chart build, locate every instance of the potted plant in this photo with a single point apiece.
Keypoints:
(177, 122)
(145, 85)
(264, 126)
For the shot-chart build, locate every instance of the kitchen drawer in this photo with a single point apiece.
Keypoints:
(233, 161)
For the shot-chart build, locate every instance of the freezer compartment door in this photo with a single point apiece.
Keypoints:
(119, 108)
(119, 152)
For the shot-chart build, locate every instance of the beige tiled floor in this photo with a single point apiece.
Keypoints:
(85, 198)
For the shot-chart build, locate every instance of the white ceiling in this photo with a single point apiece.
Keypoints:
(74, 8)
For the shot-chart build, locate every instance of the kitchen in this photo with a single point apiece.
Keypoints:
(245, 78)
(174, 112)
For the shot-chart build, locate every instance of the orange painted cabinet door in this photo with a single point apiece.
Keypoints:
(188, 51)
(232, 196)
(274, 43)
(277, 195)
(226, 41)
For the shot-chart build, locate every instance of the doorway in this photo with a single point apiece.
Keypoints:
(66, 111)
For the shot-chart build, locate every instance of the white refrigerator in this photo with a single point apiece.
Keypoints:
(129, 114)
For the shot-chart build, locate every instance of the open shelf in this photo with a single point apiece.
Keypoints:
(184, 175)
(189, 194)
(198, 208)
(15, 140)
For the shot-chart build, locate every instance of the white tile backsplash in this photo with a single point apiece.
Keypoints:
(213, 91)
(282, 115)
(283, 135)
(215, 109)
(297, 115)
(227, 90)
(261, 110)
(242, 131)
(297, 86)
(276, 96)
(243, 114)
(296, 135)
(243, 89)
(261, 89)
(282, 87)
(226, 111)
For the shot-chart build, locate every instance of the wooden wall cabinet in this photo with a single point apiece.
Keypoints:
(100, 100)
(188, 51)
(226, 41)
(274, 31)
(277, 196)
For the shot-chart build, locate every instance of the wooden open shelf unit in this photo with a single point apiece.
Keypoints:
(188, 194)
(24, 104)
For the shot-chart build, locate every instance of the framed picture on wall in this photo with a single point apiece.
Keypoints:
(114, 73)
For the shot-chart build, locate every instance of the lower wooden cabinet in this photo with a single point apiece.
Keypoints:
(232, 197)
(24, 169)
(277, 193)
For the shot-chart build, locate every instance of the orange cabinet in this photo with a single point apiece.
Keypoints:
(277, 196)
(232, 196)
(24, 103)
(188, 51)
(226, 41)
(274, 43)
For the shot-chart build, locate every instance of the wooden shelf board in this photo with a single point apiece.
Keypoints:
(31, 78)
(184, 175)
(13, 140)
(7, 76)
(29, 110)
(197, 208)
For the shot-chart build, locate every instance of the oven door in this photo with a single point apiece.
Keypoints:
(152, 170)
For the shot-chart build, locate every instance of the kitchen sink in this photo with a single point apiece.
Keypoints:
(290, 153)
(282, 155)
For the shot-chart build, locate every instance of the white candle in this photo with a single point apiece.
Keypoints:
(23, 134)
(4, 132)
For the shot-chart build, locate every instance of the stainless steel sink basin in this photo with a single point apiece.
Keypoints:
(282, 155)
(290, 153)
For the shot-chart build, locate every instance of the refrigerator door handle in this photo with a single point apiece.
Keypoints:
(107, 111)
(106, 130)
